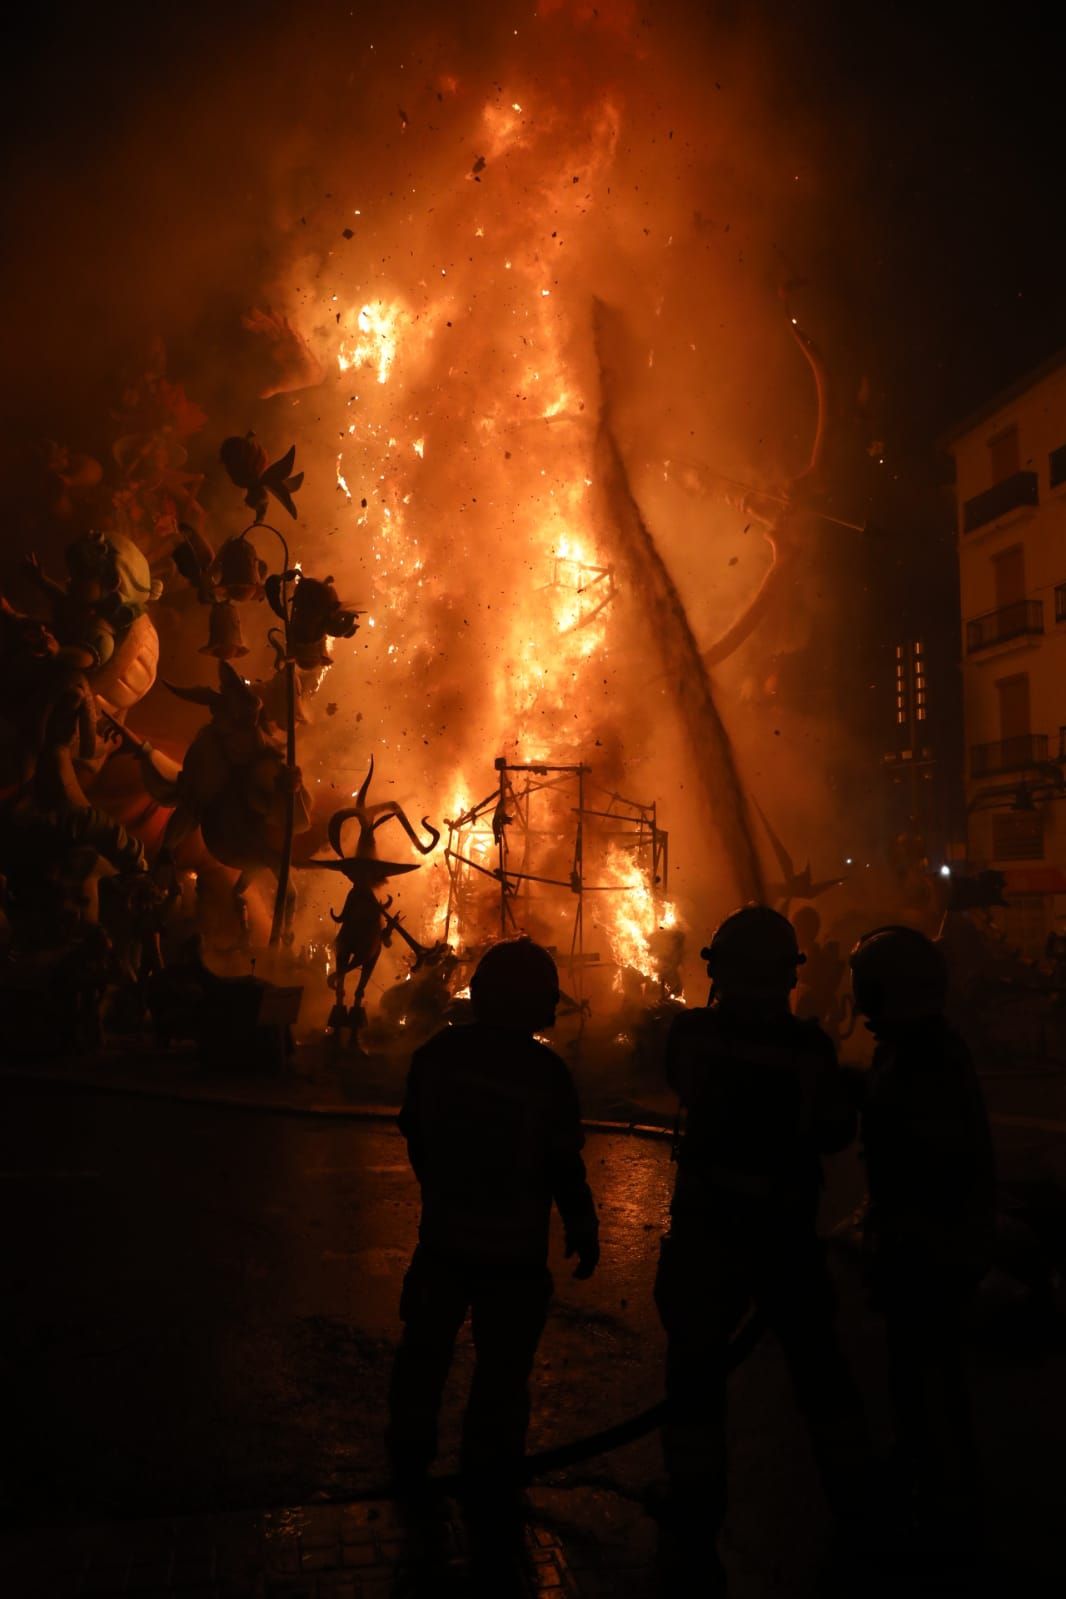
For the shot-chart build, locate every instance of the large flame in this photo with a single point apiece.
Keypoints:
(374, 341)
(473, 522)
(633, 913)
(523, 445)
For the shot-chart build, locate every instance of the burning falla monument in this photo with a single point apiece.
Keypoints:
(522, 467)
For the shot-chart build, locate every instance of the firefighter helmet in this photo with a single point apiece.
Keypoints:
(516, 984)
(754, 948)
(898, 974)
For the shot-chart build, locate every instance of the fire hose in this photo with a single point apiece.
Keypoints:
(559, 1456)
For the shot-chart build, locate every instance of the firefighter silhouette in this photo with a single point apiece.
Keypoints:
(931, 1219)
(764, 1099)
(494, 1136)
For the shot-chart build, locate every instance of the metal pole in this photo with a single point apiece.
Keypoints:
(277, 926)
(452, 885)
(579, 864)
(285, 864)
(501, 767)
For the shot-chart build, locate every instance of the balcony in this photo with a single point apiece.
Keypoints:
(1060, 603)
(1010, 621)
(1008, 755)
(1020, 489)
(1057, 466)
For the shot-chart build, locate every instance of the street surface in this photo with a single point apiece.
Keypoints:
(201, 1304)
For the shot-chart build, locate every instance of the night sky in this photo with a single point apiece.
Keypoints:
(944, 140)
(959, 123)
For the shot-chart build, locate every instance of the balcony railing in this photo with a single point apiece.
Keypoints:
(1010, 621)
(1008, 754)
(1014, 491)
(1060, 603)
(1057, 466)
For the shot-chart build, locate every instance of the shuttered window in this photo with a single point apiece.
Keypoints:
(1018, 836)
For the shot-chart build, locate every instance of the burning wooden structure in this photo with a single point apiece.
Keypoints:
(509, 431)
(534, 853)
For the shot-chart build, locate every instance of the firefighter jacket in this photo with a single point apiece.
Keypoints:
(493, 1131)
(763, 1101)
(928, 1150)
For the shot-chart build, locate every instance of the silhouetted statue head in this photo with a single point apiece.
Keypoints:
(754, 955)
(516, 984)
(898, 976)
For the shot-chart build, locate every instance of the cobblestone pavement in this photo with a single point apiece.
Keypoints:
(315, 1552)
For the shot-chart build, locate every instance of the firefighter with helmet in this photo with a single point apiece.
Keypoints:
(931, 1219)
(494, 1136)
(763, 1099)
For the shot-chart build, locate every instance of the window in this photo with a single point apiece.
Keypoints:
(1009, 569)
(918, 659)
(901, 688)
(912, 703)
(1013, 706)
(1004, 454)
(1018, 836)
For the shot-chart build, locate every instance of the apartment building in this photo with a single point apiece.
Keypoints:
(1010, 467)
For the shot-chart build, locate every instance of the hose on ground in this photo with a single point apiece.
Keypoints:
(603, 1442)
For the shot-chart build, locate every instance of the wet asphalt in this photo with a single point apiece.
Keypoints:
(201, 1305)
(203, 1302)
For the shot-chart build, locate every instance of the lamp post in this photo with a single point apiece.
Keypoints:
(309, 608)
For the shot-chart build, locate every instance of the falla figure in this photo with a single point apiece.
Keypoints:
(364, 926)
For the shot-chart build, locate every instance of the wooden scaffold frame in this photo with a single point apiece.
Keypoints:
(509, 813)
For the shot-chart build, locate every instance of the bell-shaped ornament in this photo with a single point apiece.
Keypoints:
(225, 639)
(238, 572)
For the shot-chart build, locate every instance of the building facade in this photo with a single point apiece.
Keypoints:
(916, 810)
(1010, 470)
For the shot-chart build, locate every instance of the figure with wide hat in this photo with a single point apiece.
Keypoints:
(364, 926)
